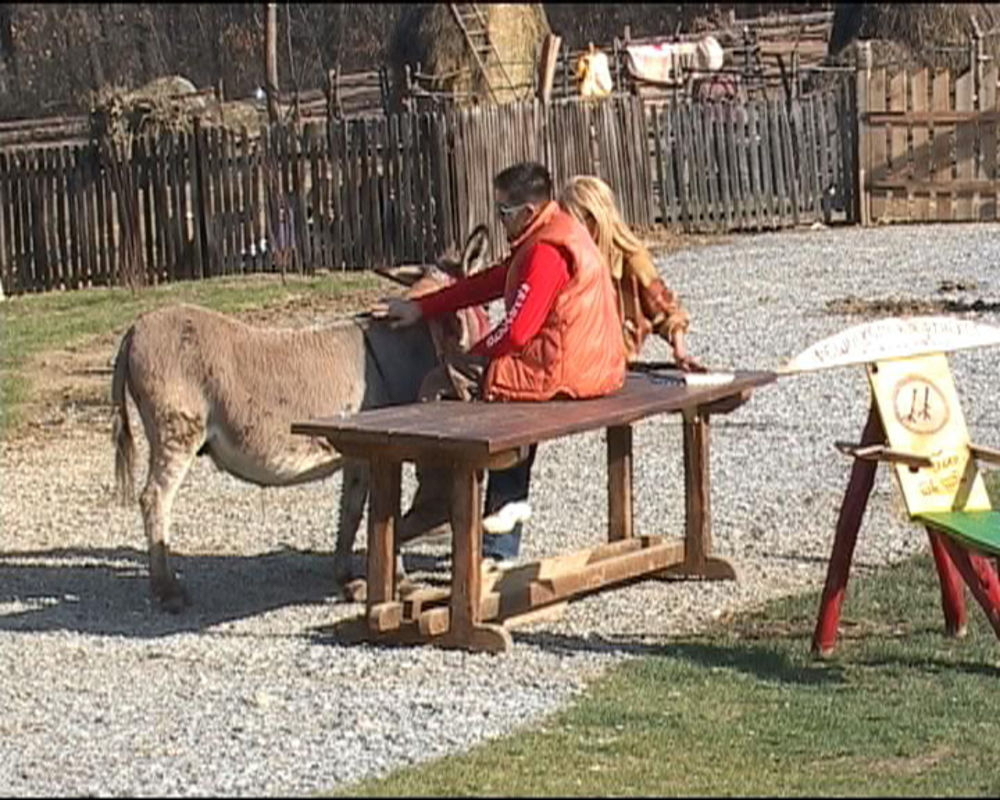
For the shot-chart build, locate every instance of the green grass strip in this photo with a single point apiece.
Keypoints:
(745, 710)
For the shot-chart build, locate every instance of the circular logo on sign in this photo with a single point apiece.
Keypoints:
(919, 405)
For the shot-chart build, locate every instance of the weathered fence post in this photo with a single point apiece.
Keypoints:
(862, 165)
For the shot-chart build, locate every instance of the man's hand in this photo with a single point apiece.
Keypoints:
(399, 311)
(683, 360)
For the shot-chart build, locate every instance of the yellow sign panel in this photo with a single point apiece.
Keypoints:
(921, 414)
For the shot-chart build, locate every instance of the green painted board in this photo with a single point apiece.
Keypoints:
(977, 529)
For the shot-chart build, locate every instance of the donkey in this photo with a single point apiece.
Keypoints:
(207, 384)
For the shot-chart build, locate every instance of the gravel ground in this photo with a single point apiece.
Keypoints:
(102, 695)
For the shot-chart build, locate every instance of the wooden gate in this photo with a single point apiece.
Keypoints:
(927, 146)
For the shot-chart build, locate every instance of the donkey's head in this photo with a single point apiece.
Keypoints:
(453, 332)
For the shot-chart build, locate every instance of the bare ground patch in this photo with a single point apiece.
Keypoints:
(72, 385)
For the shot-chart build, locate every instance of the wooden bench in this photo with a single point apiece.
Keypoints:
(471, 436)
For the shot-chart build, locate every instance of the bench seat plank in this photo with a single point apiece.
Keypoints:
(478, 430)
(979, 530)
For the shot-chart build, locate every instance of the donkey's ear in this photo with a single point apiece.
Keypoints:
(406, 274)
(476, 254)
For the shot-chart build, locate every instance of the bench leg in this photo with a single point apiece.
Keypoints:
(851, 511)
(383, 513)
(698, 560)
(952, 595)
(619, 483)
(974, 580)
(465, 629)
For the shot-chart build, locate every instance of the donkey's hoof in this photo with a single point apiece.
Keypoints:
(174, 600)
(354, 591)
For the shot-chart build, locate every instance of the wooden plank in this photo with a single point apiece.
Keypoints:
(63, 217)
(406, 184)
(383, 514)
(231, 195)
(40, 221)
(619, 483)
(825, 177)
(365, 185)
(426, 146)
(805, 116)
(7, 260)
(920, 207)
(335, 137)
(730, 188)
(709, 164)
(683, 158)
(892, 119)
(736, 175)
(301, 219)
(34, 228)
(792, 145)
(767, 168)
(699, 191)
(941, 168)
(180, 179)
(385, 163)
(248, 202)
(751, 145)
(654, 112)
(897, 206)
(781, 179)
(93, 219)
(446, 233)
(73, 212)
(146, 166)
(198, 200)
(954, 188)
(375, 212)
(160, 218)
(879, 162)
(966, 208)
(988, 143)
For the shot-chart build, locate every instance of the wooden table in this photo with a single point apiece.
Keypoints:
(472, 436)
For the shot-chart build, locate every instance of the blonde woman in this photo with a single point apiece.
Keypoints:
(645, 304)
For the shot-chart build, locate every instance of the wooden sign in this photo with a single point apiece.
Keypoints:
(921, 414)
(895, 337)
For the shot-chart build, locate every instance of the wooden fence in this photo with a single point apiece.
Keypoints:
(752, 166)
(399, 188)
(928, 145)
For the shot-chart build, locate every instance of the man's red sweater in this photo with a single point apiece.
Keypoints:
(545, 273)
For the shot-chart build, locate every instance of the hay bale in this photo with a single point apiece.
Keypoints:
(428, 34)
(913, 32)
(165, 104)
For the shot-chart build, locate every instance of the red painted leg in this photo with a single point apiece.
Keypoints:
(848, 523)
(952, 595)
(988, 576)
(964, 564)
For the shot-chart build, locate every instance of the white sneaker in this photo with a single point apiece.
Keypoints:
(504, 520)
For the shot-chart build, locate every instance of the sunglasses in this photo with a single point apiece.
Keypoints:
(506, 212)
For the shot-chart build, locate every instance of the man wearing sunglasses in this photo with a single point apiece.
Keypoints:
(560, 336)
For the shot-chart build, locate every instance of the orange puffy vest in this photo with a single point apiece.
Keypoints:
(579, 350)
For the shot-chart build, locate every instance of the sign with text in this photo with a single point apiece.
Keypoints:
(895, 337)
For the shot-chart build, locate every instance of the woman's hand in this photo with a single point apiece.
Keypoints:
(399, 311)
(682, 359)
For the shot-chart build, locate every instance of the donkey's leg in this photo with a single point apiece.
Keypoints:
(352, 583)
(169, 462)
(353, 495)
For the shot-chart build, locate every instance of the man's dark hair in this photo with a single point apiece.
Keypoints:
(527, 182)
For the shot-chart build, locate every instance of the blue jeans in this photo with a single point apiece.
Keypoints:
(507, 486)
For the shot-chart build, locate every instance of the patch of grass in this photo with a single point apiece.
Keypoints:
(32, 324)
(745, 710)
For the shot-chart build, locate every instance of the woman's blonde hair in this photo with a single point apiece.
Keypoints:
(588, 197)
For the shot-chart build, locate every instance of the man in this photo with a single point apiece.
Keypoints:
(560, 336)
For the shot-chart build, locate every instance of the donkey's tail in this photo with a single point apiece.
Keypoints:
(121, 434)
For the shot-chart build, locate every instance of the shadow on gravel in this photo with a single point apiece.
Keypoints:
(761, 661)
(106, 591)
